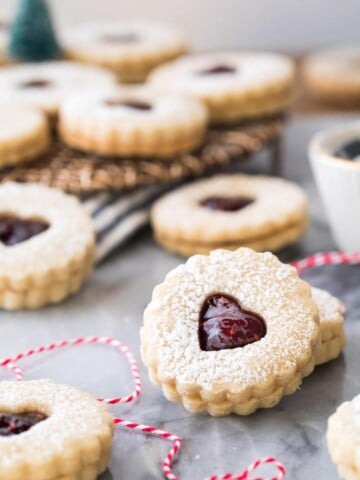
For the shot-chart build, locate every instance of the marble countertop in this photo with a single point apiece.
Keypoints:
(112, 303)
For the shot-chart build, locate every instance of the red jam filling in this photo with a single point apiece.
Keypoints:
(225, 324)
(133, 104)
(218, 70)
(14, 424)
(16, 230)
(226, 204)
(35, 83)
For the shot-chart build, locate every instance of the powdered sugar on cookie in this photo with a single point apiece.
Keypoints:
(262, 285)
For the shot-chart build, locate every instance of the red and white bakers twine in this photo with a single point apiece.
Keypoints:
(319, 259)
(11, 364)
(326, 258)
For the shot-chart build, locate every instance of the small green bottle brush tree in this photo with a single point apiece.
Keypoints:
(32, 37)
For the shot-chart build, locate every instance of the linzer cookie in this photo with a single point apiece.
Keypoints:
(132, 121)
(332, 332)
(24, 134)
(52, 431)
(343, 438)
(234, 86)
(131, 49)
(44, 85)
(47, 246)
(333, 76)
(230, 332)
(230, 211)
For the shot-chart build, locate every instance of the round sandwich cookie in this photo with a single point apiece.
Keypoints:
(45, 85)
(332, 332)
(50, 431)
(230, 211)
(230, 332)
(343, 438)
(47, 245)
(133, 121)
(24, 134)
(234, 86)
(333, 76)
(130, 48)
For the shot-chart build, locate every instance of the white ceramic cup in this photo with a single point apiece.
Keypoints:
(338, 182)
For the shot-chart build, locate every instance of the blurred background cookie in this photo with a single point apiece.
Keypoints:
(131, 49)
(230, 211)
(132, 121)
(333, 76)
(24, 134)
(45, 85)
(234, 86)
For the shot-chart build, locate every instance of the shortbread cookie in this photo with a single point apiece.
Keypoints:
(131, 49)
(234, 86)
(332, 336)
(24, 134)
(343, 437)
(230, 211)
(47, 245)
(230, 332)
(44, 85)
(50, 431)
(333, 76)
(132, 121)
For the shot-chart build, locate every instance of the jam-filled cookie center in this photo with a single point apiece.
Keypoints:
(224, 324)
(35, 83)
(226, 204)
(14, 230)
(121, 38)
(219, 69)
(349, 151)
(133, 104)
(14, 424)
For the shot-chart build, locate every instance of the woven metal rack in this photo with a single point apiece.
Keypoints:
(79, 172)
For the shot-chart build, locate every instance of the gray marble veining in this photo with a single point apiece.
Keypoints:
(112, 303)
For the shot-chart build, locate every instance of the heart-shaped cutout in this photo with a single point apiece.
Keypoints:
(15, 230)
(14, 424)
(133, 104)
(36, 83)
(224, 324)
(226, 204)
(219, 69)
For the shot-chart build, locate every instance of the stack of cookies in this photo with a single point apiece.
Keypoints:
(167, 116)
(236, 331)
